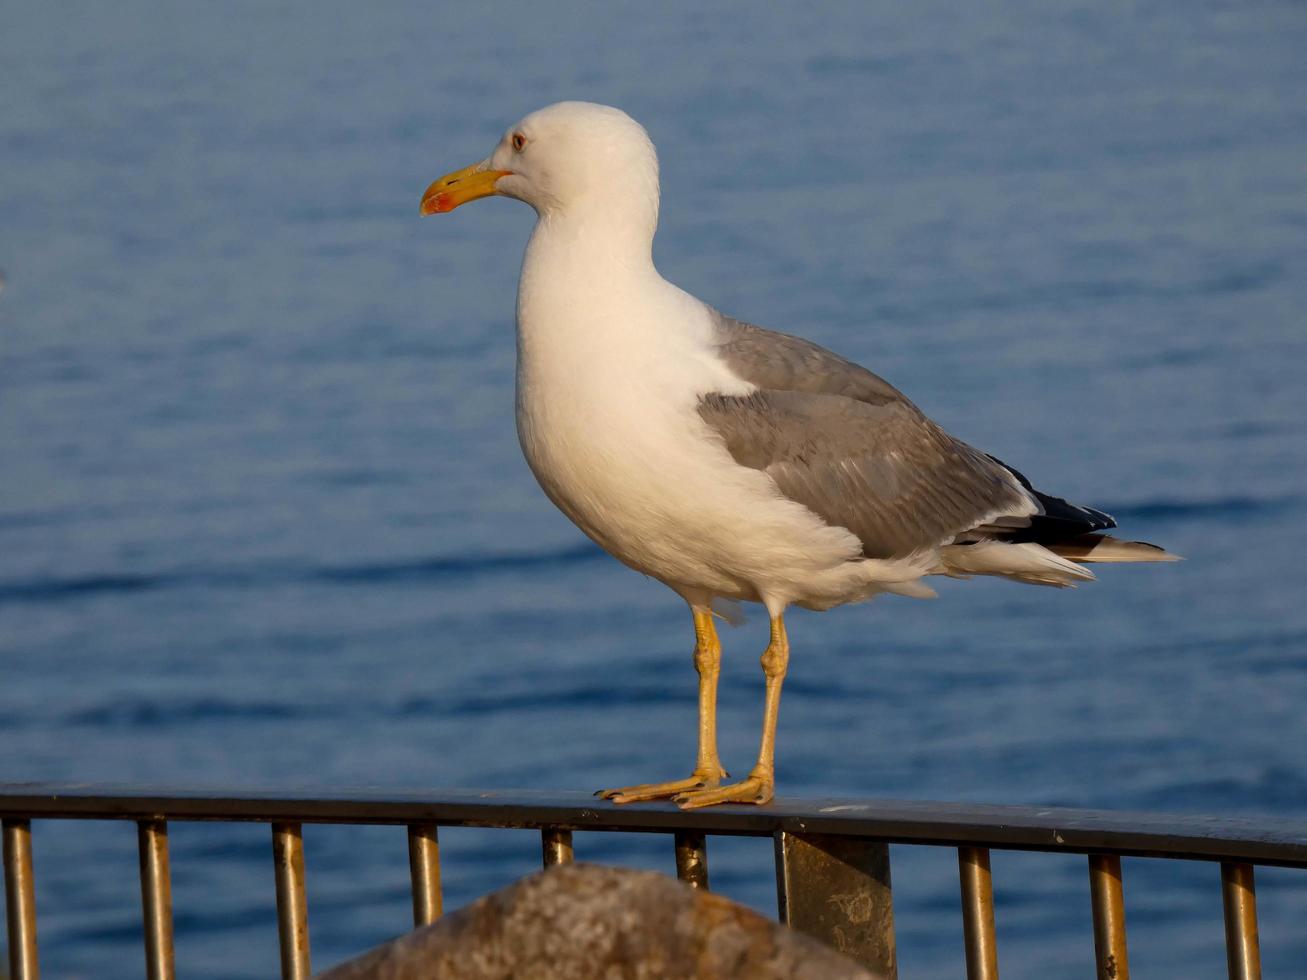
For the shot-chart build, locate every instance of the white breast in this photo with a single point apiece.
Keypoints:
(602, 413)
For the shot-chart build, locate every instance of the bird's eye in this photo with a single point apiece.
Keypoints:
(519, 141)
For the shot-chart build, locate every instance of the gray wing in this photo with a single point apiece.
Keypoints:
(851, 448)
(778, 361)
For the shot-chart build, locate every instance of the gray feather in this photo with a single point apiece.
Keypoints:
(852, 448)
(778, 361)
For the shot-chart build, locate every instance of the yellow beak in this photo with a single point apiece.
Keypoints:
(460, 187)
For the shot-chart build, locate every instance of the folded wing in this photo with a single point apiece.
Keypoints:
(854, 450)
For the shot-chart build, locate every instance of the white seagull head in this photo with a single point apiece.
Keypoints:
(570, 158)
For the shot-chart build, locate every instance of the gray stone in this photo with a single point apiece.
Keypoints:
(590, 922)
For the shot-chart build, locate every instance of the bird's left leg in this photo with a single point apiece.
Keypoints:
(708, 769)
(759, 785)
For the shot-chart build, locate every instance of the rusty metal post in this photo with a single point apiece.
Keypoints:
(1108, 901)
(156, 899)
(424, 872)
(692, 859)
(1243, 953)
(556, 846)
(978, 913)
(292, 903)
(20, 900)
(837, 889)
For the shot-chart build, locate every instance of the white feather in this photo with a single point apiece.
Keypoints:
(1027, 562)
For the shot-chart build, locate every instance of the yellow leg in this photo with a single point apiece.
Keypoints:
(759, 785)
(708, 768)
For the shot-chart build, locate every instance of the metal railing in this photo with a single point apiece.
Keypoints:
(832, 857)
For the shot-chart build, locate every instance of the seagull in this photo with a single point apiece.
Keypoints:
(730, 462)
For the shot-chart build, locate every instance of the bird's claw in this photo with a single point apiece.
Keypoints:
(757, 789)
(697, 782)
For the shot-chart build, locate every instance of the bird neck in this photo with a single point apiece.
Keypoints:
(590, 295)
(614, 234)
(584, 263)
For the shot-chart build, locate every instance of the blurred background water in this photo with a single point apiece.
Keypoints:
(264, 521)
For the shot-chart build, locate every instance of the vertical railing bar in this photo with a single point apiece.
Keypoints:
(1108, 899)
(556, 846)
(978, 913)
(20, 900)
(156, 899)
(838, 890)
(1243, 953)
(292, 902)
(424, 870)
(692, 859)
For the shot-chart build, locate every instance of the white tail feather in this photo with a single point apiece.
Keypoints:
(914, 590)
(1026, 562)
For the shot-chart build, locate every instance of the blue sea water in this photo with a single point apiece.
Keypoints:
(264, 521)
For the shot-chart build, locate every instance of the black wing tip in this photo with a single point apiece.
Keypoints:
(1061, 519)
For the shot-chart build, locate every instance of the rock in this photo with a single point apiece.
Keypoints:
(591, 922)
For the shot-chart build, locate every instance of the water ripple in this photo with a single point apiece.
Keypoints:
(55, 589)
(609, 695)
(1223, 509)
(458, 566)
(173, 711)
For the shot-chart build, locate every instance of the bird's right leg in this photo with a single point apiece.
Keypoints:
(708, 771)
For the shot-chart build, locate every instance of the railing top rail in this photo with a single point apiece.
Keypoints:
(1262, 841)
